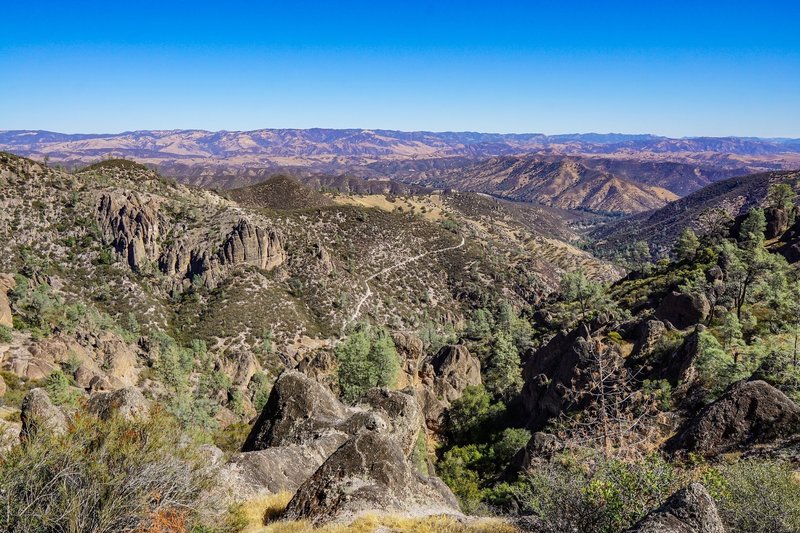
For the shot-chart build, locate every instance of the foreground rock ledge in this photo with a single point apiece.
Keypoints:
(369, 472)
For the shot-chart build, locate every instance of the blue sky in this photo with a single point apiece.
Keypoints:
(672, 68)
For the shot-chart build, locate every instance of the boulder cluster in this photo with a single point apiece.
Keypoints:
(339, 461)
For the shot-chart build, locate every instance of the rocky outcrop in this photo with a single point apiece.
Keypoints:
(369, 472)
(303, 423)
(443, 380)
(272, 470)
(540, 450)
(245, 244)
(127, 403)
(401, 412)
(6, 284)
(9, 436)
(248, 244)
(39, 414)
(648, 333)
(118, 361)
(777, 220)
(298, 410)
(132, 226)
(683, 310)
(748, 413)
(411, 351)
(690, 510)
(554, 369)
(678, 367)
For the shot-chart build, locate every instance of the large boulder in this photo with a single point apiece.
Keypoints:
(552, 371)
(118, 360)
(129, 403)
(299, 409)
(777, 220)
(678, 366)
(540, 450)
(39, 414)
(748, 413)
(6, 284)
(248, 475)
(647, 335)
(302, 424)
(443, 380)
(690, 510)
(401, 412)
(683, 310)
(369, 472)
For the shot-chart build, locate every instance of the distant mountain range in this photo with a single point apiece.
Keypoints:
(613, 173)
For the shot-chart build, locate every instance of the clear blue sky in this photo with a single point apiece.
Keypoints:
(672, 68)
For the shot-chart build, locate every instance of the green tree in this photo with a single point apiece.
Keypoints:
(504, 374)
(713, 224)
(383, 359)
(731, 330)
(479, 325)
(751, 233)
(472, 416)
(686, 246)
(366, 359)
(584, 298)
(781, 196)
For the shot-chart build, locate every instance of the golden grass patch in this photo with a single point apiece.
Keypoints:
(395, 524)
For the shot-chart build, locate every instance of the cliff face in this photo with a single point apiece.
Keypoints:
(137, 229)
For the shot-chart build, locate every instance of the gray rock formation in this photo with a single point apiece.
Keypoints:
(39, 414)
(552, 371)
(303, 423)
(128, 403)
(683, 310)
(132, 226)
(648, 334)
(540, 449)
(247, 244)
(401, 412)
(690, 510)
(748, 413)
(443, 380)
(277, 469)
(369, 472)
(298, 410)
(679, 365)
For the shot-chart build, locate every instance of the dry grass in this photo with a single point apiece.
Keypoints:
(434, 210)
(262, 513)
(396, 524)
(264, 510)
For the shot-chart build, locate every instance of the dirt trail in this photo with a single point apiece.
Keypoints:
(404, 262)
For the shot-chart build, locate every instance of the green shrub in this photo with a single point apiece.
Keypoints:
(600, 495)
(471, 417)
(101, 476)
(59, 387)
(5, 334)
(259, 388)
(759, 496)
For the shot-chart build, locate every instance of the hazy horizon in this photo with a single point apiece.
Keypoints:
(435, 132)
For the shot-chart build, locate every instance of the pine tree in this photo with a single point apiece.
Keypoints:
(686, 246)
(504, 375)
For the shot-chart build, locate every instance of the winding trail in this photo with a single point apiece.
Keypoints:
(404, 262)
